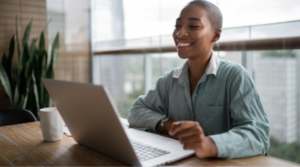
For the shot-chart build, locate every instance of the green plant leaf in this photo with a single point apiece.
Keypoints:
(36, 95)
(21, 58)
(13, 81)
(33, 47)
(7, 70)
(5, 83)
(17, 72)
(31, 64)
(42, 95)
(26, 89)
(26, 54)
(22, 81)
(11, 49)
(48, 57)
(42, 43)
(5, 62)
(26, 93)
(39, 62)
(37, 74)
(27, 34)
(16, 97)
(43, 59)
(17, 37)
(25, 44)
(54, 52)
(21, 102)
(9, 66)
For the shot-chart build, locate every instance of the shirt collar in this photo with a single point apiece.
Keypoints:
(212, 67)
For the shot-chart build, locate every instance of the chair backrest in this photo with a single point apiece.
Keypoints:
(16, 116)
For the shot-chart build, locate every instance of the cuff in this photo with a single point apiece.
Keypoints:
(155, 121)
(220, 145)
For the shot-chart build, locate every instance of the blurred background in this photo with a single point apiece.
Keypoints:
(127, 44)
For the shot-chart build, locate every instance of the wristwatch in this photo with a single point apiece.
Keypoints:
(162, 123)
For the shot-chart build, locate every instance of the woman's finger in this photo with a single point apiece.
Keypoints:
(191, 139)
(179, 126)
(202, 134)
(191, 146)
(189, 132)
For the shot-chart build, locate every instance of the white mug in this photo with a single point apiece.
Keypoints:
(52, 124)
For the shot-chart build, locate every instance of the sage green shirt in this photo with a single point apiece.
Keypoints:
(225, 103)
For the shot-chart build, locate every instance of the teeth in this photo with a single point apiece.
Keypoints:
(184, 44)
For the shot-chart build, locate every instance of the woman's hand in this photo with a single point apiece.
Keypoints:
(192, 137)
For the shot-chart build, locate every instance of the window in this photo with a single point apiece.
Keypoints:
(142, 33)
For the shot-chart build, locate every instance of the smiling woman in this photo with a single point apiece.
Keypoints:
(197, 28)
(210, 105)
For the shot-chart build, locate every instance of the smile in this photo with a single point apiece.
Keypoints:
(183, 45)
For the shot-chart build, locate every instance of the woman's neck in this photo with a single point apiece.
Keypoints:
(197, 66)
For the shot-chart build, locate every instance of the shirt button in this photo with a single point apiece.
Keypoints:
(195, 94)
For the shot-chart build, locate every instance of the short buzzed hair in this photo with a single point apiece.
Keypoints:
(214, 14)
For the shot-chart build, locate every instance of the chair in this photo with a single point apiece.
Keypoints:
(16, 116)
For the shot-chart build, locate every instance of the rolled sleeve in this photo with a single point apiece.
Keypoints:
(220, 145)
(149, 109)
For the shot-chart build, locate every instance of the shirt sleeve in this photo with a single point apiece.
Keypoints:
(250, 133)
(149, 109)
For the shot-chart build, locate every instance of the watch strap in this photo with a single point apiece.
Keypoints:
(162, 123)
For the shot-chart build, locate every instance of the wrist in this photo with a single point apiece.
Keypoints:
(166, 128)
(168, 125)
(162, 124)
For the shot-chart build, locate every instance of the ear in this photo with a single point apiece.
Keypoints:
(217, 35)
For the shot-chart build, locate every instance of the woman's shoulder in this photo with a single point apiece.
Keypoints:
(171, 73)
(228, 68)
(167, 78)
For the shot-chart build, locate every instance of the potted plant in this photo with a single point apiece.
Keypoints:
(21, 79)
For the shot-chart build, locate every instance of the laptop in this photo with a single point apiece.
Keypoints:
(93, 120)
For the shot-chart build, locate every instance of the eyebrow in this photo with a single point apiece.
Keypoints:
(195, 19)
(192, 18)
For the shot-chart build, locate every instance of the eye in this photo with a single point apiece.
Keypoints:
(194, 26)
(177, 26)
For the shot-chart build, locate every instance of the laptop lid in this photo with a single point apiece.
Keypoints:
(82, 107)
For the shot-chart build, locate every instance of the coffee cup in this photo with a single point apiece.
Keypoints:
(52, 124)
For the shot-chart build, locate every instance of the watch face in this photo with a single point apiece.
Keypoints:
(165, 119)
(163, 122)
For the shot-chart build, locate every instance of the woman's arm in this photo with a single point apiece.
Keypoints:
(149, 109)
(250, 134)
(248, 137)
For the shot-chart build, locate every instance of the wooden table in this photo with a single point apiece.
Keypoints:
(22, 145)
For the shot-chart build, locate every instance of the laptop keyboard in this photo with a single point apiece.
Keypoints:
(146, 152)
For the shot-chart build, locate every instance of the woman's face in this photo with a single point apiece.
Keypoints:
(193, 35)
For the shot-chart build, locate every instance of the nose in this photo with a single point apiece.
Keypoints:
(182, 32)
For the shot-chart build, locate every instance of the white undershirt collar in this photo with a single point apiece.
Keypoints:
(212, 67)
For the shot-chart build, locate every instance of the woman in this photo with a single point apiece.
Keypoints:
(210, 105)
